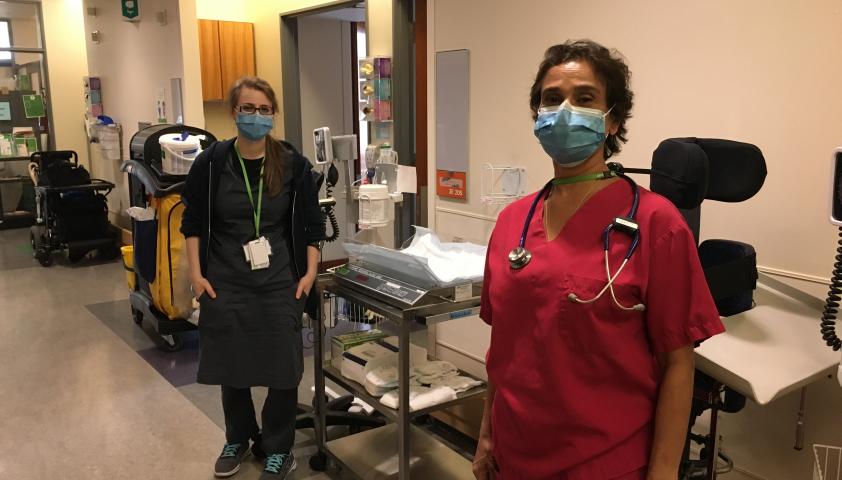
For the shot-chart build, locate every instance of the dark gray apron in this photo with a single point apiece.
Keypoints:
(251, 339)
(251, 332)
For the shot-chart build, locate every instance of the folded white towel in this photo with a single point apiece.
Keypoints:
(434, 371)
(436, 378)
(391, 399)
(381, 379)
(434, 368)
(458, 383)
(420, 397)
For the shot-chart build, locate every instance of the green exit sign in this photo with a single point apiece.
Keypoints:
(131, 10)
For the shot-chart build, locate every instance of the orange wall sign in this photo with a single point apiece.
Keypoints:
(452, 184)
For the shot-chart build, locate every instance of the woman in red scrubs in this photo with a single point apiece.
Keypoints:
(588, 382)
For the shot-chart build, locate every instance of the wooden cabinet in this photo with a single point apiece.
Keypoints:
(210, 60)
(226, 51)
(236, 49)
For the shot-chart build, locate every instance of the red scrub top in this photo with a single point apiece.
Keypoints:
(576, 384)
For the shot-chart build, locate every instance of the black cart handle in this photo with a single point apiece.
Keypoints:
(148, 180)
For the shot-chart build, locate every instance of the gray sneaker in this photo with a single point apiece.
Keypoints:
(278, 466)
(230, 459)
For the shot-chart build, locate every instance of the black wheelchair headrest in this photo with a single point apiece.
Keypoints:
(680, 173)
(689, 170)
(46, 158)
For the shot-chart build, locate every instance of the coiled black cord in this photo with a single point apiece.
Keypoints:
(332, 178)
(334, 225)
(831, 306)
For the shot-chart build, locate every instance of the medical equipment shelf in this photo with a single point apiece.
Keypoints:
(369, 453)
(359, 391)
(376, 453)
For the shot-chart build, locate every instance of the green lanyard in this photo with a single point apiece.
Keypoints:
(256, 211)
(584, 178)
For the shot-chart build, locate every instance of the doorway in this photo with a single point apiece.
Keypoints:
(408, 95)
(329, 44)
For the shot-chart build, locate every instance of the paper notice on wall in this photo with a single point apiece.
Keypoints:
(407, 179)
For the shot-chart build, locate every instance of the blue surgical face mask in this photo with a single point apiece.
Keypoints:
(569, 134)
(254, 126)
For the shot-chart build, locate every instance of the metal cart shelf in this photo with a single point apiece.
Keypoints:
(398, 450)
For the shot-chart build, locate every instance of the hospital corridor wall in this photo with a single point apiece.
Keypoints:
(751, 71)
(135, 63)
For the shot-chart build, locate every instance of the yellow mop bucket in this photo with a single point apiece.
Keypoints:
(128, 265)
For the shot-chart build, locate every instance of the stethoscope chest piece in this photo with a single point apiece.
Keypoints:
(519, 258)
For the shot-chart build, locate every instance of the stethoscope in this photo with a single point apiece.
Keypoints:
(520, 257)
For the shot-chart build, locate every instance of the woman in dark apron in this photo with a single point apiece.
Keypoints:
(253, 229)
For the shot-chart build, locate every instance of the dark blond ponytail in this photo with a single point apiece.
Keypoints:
(277, 156)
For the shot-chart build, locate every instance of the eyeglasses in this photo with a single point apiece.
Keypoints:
(251, 109)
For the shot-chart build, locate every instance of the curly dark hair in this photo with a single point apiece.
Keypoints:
(609, 67)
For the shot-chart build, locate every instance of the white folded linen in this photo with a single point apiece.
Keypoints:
(420, 397)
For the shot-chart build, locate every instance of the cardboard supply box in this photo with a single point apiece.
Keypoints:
(342, 343)
(357, 361)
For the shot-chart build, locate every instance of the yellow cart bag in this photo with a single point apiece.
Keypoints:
(171, 288)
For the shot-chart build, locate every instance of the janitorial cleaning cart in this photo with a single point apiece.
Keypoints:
(161, 156)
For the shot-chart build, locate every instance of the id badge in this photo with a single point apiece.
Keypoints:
(257, 253)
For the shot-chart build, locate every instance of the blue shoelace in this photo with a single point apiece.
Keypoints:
(275, 462)
(230, 450)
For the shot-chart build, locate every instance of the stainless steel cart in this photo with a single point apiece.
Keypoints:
(399, 449)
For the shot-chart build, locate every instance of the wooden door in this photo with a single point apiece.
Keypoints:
(236, 41)
(210, 60)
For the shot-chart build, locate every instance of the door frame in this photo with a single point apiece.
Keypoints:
(403, 89)
(290, 71)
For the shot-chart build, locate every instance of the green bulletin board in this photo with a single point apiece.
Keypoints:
(33, 106)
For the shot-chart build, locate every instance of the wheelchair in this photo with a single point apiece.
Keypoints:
(688, 171)
(72, 209)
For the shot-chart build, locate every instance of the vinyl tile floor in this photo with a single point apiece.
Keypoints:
(85, 392)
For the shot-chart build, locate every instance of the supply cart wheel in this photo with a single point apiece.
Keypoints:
(137, 316)
(74, 257)
(37, 240)
(44, 257)
(318, 462)
(171, 343)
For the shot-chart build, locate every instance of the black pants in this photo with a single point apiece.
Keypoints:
(279, 412)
